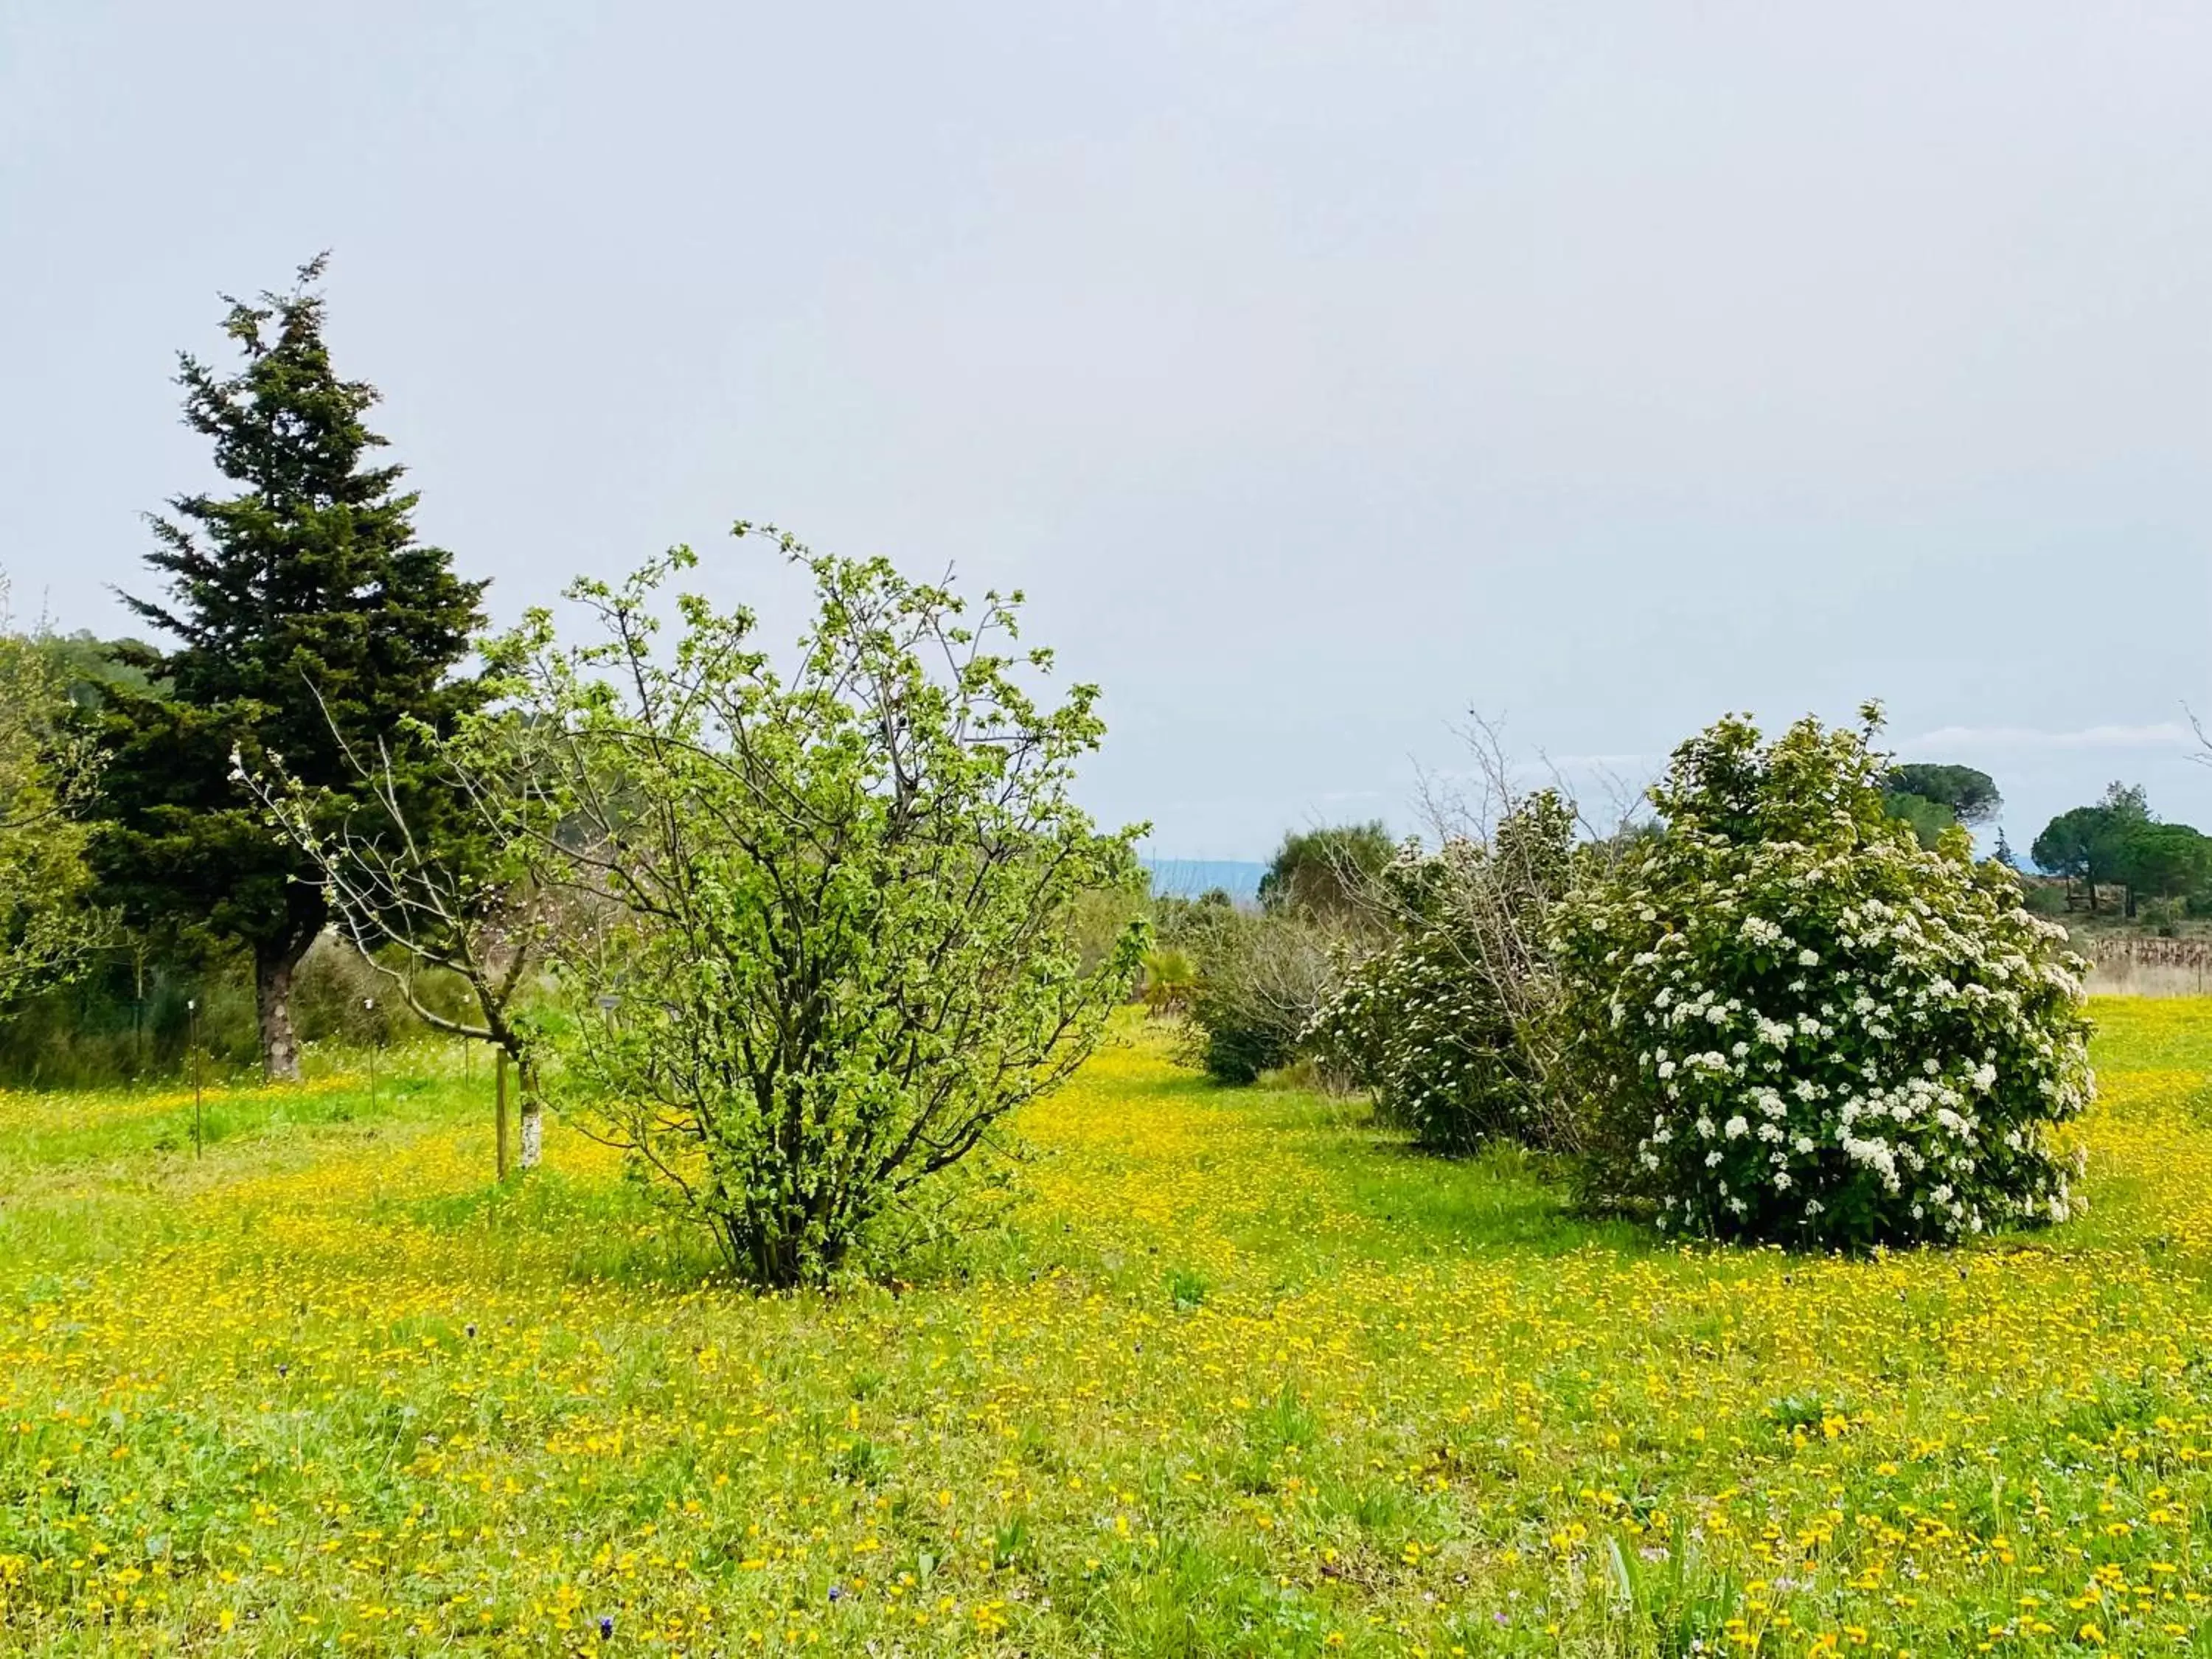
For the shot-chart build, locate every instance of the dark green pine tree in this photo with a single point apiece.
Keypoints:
(311, 625)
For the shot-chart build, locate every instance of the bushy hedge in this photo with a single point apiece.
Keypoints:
(1260, 981)
(1793, 1021)
(1447, 1021)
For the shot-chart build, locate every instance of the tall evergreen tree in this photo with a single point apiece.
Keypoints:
(311, 627)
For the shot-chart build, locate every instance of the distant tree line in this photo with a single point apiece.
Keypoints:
(2116, 848)
(2117, 843)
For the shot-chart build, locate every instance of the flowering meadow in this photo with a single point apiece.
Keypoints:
(1238, 1374)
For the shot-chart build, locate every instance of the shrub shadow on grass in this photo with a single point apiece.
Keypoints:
(1501, 1198)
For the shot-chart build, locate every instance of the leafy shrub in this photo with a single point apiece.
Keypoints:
(1168, 978)
(2163, 916)
(835, 942)
(1795, 1023)
(49, 777)
(1262, 981)
(1449, 1022)
(333, 983)
(1099, 918)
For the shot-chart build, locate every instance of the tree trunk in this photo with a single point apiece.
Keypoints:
(272, 997)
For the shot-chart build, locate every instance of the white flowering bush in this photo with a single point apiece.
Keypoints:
(1411, 1024)
(1447, 1020)
(1795, 1023)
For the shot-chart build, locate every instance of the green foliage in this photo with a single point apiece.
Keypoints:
(1190, 922)
(2089, 843)
(1970, 796)
(1186, 1288)
(2163, 915)
(1447, 1022)
(310, 625)
(48, 776)
(89, 668)
(830, 944)
(1932, 797)
(1262, 981)
(1099, 918)
(436, 893)
(2078, 843)
(1795, 1023)
(1326, 872)
(123, 1019)
(1168, 980)
(2117, 843)
(1929, 818)
(2164, 860)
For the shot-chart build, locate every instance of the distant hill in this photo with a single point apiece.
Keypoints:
(1189, 877)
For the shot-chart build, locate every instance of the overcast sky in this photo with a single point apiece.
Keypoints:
(1321, 371)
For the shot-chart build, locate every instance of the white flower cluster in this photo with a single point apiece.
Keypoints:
(1813, 1029)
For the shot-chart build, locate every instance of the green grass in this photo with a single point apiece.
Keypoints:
(1232, 1376)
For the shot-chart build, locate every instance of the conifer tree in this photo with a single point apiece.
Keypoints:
(311, 627)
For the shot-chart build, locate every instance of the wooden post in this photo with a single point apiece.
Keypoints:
(501, 1067)
(192, 1009)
